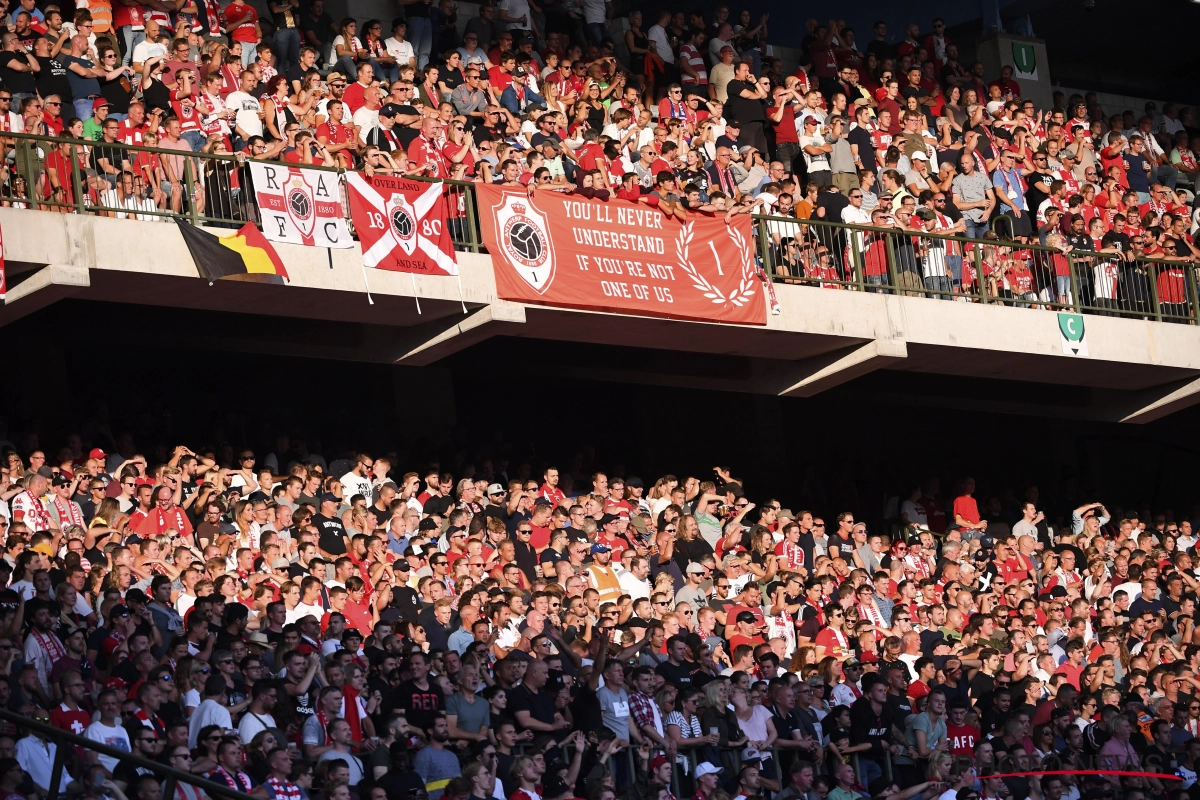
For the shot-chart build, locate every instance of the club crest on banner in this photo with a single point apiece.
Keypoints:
(403, 221)
(300, 203)
(525, 237)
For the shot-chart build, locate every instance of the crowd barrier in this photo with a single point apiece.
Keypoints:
(215, 189)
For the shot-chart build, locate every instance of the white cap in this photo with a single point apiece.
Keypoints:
(706, 768)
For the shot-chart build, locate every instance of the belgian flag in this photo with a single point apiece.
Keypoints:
(247, 255)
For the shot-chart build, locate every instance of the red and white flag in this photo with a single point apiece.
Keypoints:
(401, 224)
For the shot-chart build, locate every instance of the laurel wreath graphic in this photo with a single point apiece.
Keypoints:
(745, 289)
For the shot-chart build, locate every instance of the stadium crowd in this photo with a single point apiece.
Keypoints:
(297, 628)
(676, 110)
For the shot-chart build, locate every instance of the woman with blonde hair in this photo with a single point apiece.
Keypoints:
(191, 676)
(248, 529)
(689, 544)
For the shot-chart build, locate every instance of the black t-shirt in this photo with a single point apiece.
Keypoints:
(860, 136)
(1119, 241)
(1033, 195)
(419, 704)
(14, 81)
(680, 675)
(900, 705)
(867, 727)
(332, 539)
(743, 109)
(52, 79)
(434, 505)
(127, 772)
(833, 203)
(112, 154)
(982, 684)
(321, 27)
(453, 78)
(540, 705)
(118, 92)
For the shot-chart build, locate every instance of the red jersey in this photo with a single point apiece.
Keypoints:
(246, 31)
(422, 152)
(962, 740)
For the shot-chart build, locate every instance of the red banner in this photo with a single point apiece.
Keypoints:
(559, 250)
(401, 224)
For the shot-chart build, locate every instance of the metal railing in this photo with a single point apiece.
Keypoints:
(62, 738)
(64, 174)
(216, 189)
(916, 264)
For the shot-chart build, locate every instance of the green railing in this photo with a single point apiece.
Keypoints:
(214, 189)
(203, 188)
(899, 261)
(64, 741)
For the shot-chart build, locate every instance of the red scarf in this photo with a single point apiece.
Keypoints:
(50, 643)
(350, 697)
(152, 723)
(68, 514)
(235, 781)
(284, 790)
(321, 718)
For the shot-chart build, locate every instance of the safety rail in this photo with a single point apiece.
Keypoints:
(215, 190)
(60, 738)
(833, 255)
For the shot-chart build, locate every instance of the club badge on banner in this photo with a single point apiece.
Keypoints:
(401, 224)
(300, 206)
(558, 250)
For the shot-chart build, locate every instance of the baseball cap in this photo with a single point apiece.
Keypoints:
(280, 563)
(698, 569)
(919, 156)
(388, 111)
(100, 102)
(869, 658)
(706, 768)
(746, 148)
(60, 480)
(601, 548)
(657, 762)
(329, 497)
(987, 542)
(495, 488)
(926, 213)
(519, 72)
(607, 518)
(97, 453)
(427, 524)
(118, 611)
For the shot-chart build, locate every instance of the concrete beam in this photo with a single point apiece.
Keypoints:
(817, 374)
(45, 287)
(1159, 401)
(434, 341)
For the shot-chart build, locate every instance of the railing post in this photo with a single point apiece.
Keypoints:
(1190, 290)
(856, 258)
(764, 248)
(76, 183)
(188, 182)
(1152, 279)
(472, 222)
(30, 181)
(980, 283)
(168, 790)
(1076, 300)
(56, 771)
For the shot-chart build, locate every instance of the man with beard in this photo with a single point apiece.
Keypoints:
(436, 765)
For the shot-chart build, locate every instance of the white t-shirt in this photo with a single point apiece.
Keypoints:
(210, 712)
(252, 723)
(515, 9)
(247, 108)
(355, 45)
(662, 44)
(594, 11)
(144, 51)
(301, 611)
(354, 484)
(113, 737)
(367, 120)
(817, 163)
(401, 51)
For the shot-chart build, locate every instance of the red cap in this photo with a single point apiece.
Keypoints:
(115, 683)
(97, 453)
(100, 103)
(869, 658)
(657, 762)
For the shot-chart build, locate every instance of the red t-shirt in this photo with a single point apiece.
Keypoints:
(65, 719)
(1071, 671)
(353, 97)
(246, 32)
(834, 646)
(785, 129)
(966, 508)
(962, 740)
(918, 689)
(334, 132)
(737, 640)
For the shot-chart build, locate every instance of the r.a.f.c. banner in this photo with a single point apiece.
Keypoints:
(559, 250)
(300, 206)
(401, 224)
